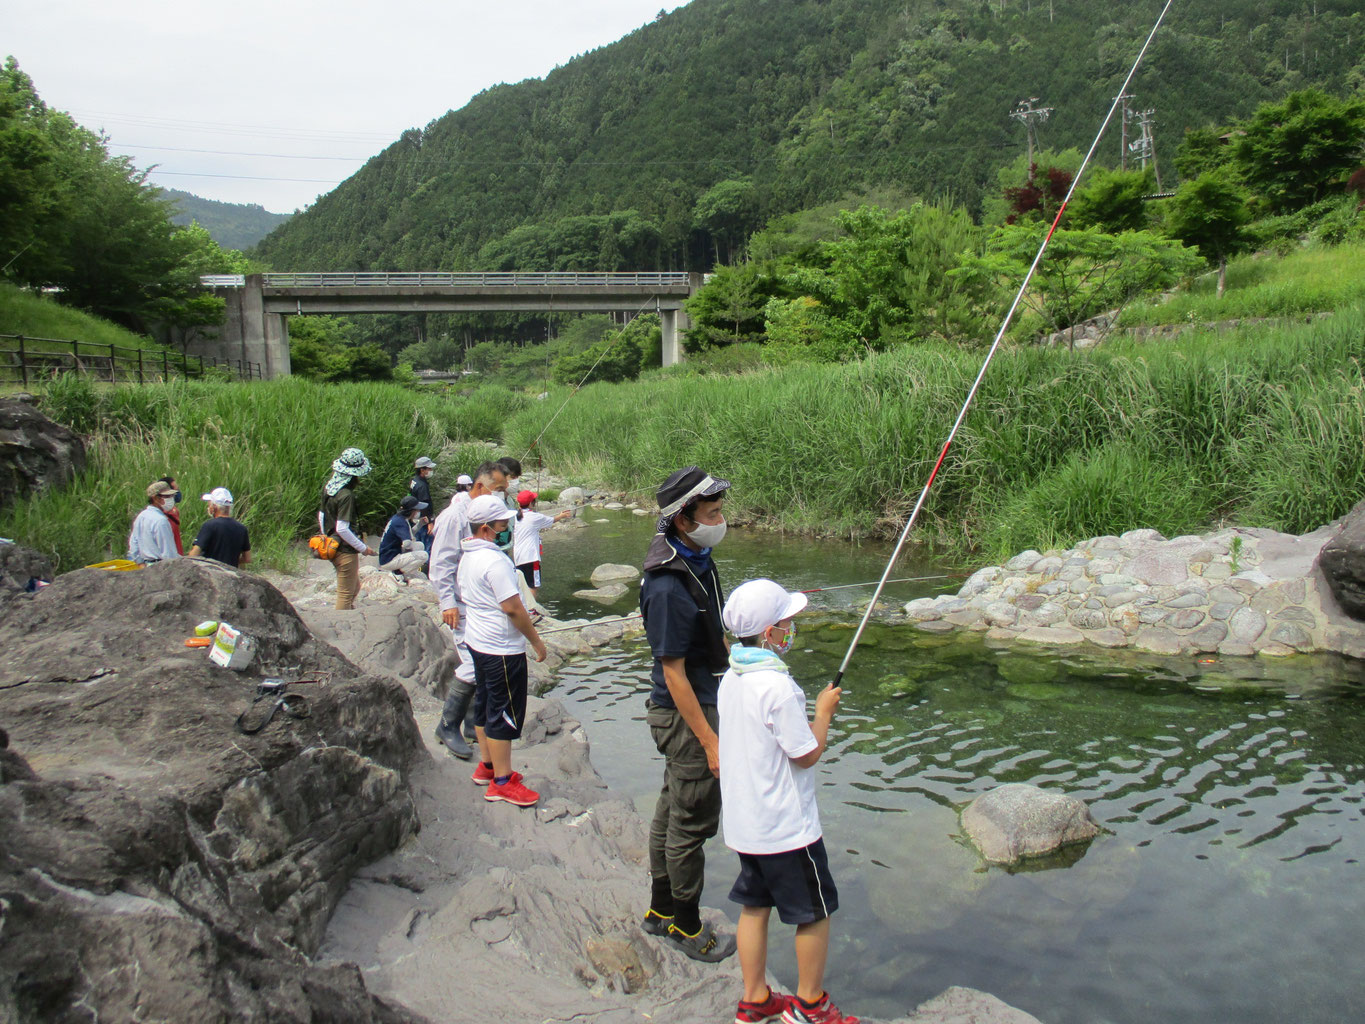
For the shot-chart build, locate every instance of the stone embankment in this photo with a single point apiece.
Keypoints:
(1233, 592)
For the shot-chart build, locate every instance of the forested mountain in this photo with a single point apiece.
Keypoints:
(669, 147)
(231, 225)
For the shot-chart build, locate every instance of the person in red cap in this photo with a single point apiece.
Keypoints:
(526, 537)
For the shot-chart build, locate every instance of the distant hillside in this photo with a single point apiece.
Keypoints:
(231, 225)
(664, 149)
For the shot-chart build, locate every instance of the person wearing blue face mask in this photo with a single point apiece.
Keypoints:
(680, 599)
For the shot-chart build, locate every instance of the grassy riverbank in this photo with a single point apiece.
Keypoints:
(270, 443)
(1261, 427)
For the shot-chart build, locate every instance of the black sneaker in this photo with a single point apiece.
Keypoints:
(705, 946)
(454, 741)
(655, 923)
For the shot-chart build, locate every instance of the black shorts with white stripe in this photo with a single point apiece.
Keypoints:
(796, 882)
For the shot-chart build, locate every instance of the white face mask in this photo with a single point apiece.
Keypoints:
(707, 536)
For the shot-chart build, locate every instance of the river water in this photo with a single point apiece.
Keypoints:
(1226, 888)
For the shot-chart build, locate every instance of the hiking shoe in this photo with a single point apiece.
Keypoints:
(752, 1013)
(454, 742)
(511, 791)
(484, 776)
(655, 923)
(706, 945)
(823, 1012)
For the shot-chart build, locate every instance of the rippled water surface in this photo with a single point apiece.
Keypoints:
(1226, 888)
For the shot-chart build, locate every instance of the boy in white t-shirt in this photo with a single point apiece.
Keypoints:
(497, 628)
(767, 755)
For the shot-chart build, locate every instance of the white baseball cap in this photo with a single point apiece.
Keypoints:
(219, 496)
(488, 508)
(466, 479)
(758, 604)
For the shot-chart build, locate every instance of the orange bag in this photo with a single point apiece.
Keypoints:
(324, 547)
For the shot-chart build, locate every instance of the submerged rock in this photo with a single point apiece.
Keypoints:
(1016, 820)
(612, 573)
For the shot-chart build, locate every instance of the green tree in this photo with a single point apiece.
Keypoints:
(1210, 213)
(1083, 273)
(1113, 201)
(615, 358)
(1294, 152)
(726, 212)
(728, 308)
(1202, 150)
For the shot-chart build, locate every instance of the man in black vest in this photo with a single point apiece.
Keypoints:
(681, 599)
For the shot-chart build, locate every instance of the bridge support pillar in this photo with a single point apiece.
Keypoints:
(672, 346)
(252, 335)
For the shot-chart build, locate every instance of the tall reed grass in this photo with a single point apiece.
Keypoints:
(1261, 426)
(271, 444)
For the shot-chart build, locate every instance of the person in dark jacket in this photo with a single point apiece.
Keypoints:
(399, 550)
(420, 488)
(681, 599)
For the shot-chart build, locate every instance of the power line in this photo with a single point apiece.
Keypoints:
(243, 177)
(233, 152)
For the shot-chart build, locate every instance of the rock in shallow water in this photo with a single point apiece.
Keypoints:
(1016, 820)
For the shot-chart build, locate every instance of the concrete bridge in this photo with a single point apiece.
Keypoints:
(258, 305)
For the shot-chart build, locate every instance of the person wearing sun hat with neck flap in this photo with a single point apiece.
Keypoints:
(335, 518)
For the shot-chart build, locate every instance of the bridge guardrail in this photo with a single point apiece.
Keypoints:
(436, 279)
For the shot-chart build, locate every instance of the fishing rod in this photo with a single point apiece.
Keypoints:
(585, 625)
(990, 354)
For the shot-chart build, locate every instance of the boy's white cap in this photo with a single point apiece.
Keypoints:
(219, 496)
(758, 604)
(465, 478)
(488, 508)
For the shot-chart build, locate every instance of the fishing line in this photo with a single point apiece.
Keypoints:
(990, 354)
(621, 334)
(869, 583)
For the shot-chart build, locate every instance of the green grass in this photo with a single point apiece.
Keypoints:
(1259, 426)
(36, 316)
(1312, 280)
(270, 443)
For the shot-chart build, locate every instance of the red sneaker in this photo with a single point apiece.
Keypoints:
(752, 1013)
(511, 791)
(823, 1012)
(483, 776)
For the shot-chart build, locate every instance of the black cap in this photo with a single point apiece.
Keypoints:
(409, 503)
(684, 487)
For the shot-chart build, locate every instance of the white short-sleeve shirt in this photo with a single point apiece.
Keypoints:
(767, 802)
(526, 538)
(486, 579)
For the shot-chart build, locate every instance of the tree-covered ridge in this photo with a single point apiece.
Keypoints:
(231, 225)
(667, 148)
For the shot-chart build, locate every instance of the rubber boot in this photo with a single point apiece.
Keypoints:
(458, 702)
(469, 732)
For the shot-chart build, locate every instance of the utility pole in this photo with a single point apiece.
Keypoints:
(1124, 115)
(1145, 147)
(1031, 116)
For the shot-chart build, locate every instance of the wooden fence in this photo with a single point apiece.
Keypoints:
(25, 360)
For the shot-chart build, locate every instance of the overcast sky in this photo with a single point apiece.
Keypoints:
(275, 101)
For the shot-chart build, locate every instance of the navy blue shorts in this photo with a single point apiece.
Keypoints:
(499, 693)
(797, 883)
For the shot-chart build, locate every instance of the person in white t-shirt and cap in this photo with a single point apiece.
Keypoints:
(768, 751)
(497, 629)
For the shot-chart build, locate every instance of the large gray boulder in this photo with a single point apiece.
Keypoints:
(18, 565)
(155, 863)
(1016, 820)
(1342, 561)
(35, 453)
